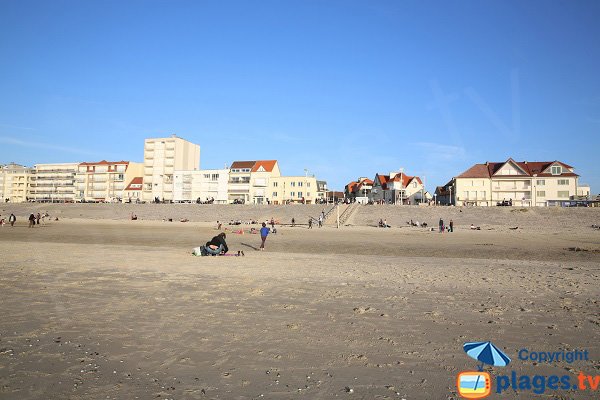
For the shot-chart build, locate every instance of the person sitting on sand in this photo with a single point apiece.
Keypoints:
(475, 228)
(217, 245)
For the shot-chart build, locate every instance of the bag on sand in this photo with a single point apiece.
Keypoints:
(199, 251)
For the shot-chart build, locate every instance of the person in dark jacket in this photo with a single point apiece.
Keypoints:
(217, 245)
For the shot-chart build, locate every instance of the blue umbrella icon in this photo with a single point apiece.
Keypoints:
(487, 353)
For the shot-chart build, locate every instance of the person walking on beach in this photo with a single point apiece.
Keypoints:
(451, 226)
(321, 221)
(293, 221)
(441, 225)
(37, 218)
(264, 232)
(272, 223)
(310, 223)
(12, 219)
(31, 220)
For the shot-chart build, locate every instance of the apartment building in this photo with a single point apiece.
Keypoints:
(524, 184)
(249, 181)
(53, 182)
(297, 189)
(14, 183)
(162, 157)
(105, 181)
(207, 185)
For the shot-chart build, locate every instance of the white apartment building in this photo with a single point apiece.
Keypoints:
(14, 183)
(53, 182)
(523, 184)
(207, 185)
(105, 181)
(162, 157)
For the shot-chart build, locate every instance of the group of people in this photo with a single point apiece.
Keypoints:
(217, 246)
(11, 220)
(446, 228)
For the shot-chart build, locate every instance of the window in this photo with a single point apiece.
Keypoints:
(300, 184)
(563, 181)
(274, 184)
(541, 193)
(556, 170)
(293, 194)
(206, 176)
(299, 195)
(307, 184)
(293, 184)
(563, 194)
(414, 184)
(466, 195)
(214, 177)
(482, 194)
(274, 194)
(540, 182)
(307, 194)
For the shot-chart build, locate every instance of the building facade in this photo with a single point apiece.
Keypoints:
(398, 188)
(202, 186)
(524, 184)
(297, 189)
(15, 182)
(105, 181)
(53, 183)
(250, 181)
(162, 157)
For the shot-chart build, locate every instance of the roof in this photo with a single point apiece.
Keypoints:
(135, 181)
(104, 162)
(268, 165)
(243, 164)
(530, 168)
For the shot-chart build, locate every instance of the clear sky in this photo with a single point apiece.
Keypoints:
(342, 88)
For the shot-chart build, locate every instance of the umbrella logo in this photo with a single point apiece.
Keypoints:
(478, 384)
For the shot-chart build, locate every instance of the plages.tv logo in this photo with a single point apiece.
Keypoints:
(478, 384)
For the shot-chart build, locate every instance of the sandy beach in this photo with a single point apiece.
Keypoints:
(96, 306)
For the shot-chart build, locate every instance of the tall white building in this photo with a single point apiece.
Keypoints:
(162, 157)
(53, 182)
(203, 185)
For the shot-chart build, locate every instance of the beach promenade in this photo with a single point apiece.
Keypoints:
(97, 306)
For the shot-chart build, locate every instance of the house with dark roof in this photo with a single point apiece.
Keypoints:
(516, 183)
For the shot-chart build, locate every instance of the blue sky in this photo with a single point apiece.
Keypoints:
(342, 88)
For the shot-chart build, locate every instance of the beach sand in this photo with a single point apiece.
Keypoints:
(95, 306)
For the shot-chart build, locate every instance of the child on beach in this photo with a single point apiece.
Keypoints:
(264, 232)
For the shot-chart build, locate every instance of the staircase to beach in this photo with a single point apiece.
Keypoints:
(346, 212)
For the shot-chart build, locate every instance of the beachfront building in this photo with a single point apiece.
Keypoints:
(249, 181)
(14, 183)
(162, 157)
(202, 186)
(359, 190)
(523, 184)
(398, 188)
(133, 191)
(297, 189)
(104, 181)
(53, 183)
